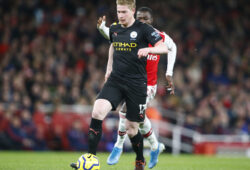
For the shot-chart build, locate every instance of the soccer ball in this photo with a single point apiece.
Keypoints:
(88, 162)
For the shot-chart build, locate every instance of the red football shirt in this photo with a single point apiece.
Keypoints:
(152, 65)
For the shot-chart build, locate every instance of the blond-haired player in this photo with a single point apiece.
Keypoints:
(127, 77)
(144, 14)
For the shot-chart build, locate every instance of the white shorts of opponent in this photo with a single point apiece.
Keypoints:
(151, 92)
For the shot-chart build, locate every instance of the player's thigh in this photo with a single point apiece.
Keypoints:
(112, 93)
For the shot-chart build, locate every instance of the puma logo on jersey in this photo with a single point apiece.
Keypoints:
(152, 57)
(142, 116)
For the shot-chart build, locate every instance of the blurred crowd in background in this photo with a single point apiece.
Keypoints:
(51, 54)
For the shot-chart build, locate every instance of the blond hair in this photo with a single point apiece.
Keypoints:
(129, 3)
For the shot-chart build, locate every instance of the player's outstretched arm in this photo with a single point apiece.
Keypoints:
(159, 48)
(172, 50)
(101, 26)
(110, 62)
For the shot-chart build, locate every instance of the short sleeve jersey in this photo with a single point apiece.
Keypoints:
(127, 67)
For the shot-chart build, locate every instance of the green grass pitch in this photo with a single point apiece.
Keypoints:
(61, 160)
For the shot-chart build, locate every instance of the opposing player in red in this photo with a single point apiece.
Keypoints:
(144, 14)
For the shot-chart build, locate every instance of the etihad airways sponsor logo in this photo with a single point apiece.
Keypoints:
(124, 44)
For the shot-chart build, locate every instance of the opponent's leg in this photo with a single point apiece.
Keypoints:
(121, 136)
(148, 133)
(156, 147)
(122, 127)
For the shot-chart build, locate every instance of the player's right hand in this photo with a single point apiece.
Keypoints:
(100, 21)
(143, 52)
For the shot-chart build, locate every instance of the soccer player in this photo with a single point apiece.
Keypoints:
(127, 80)
(144, 14)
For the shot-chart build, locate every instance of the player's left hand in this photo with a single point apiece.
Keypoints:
(170, 84)
(143, 52)
(100, 21)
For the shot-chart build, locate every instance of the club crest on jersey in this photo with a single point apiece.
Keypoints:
(133, 34)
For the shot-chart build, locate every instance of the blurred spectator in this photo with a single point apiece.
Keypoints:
(31, 131)
(17, 135)
(76, 136)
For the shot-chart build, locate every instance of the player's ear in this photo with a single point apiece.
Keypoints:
(133, 10)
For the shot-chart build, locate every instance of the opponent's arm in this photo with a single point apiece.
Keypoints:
(101, 26)
(110, 62)
(172, 50)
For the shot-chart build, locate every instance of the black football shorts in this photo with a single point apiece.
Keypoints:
(135, 97)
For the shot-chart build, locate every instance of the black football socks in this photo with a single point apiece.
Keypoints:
(137, 144)
(94, 135)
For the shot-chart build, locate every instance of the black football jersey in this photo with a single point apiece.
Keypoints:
(127, 41)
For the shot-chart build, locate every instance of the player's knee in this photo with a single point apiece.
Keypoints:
(132, 131)
(101, 109)
(141, 125)
(97, 115)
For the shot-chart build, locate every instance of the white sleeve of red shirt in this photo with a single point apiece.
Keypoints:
(104, 30)
(172, 50)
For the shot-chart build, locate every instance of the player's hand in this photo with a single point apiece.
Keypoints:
(106, 76)
(100, 21)
(143, 52)
(170, 84)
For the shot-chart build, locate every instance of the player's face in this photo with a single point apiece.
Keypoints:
(144, 17)
(125, 14)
